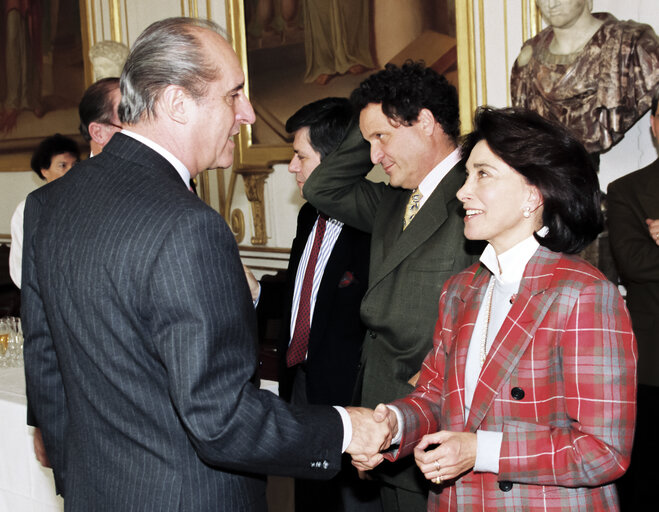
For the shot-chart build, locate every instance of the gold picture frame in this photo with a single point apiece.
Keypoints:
(254, 156)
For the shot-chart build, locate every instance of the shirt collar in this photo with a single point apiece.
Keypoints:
(176, 163)
(512, 262)
(432, 179)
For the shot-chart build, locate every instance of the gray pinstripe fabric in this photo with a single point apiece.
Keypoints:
(140, 345)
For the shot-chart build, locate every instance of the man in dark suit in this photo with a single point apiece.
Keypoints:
(324, 372)
(633, 221)
(409, 115)
(138, 361)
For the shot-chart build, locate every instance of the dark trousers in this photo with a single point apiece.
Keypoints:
(343, 493)
(637, 487)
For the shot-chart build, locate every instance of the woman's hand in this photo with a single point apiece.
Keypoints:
(456, 454)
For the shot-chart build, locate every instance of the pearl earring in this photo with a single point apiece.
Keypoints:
(526, 212)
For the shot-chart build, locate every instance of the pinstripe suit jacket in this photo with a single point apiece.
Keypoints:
(559, 382)
(138, 359)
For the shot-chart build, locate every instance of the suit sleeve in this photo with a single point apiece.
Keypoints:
(203, 328)
(47, 406)
(338, 186)
(635, 253)
(593, 445)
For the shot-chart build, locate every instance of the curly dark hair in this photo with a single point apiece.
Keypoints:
(404, 91)
(50, 147)
(555, 162)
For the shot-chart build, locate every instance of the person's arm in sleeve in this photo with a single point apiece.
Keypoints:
(203, 327)
(45, 392)
(635, 252)
(338, 186)
(593, 446)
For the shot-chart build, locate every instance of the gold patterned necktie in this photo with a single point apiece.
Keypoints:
(412, 207)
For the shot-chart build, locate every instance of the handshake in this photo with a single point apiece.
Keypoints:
(372, 432)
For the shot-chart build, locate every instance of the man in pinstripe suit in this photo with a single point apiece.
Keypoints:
(138, 364)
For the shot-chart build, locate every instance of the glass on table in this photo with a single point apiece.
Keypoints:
(5, 332)
(11, 342)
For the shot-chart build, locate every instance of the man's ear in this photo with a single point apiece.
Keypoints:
(427, 121)
(99, 133)
(174, 103)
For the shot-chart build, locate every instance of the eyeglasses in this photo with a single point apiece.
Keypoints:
(115, 125)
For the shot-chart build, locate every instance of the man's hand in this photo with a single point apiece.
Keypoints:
(371, 433)
(455, 455)
(40, 449)
(254, 285)
(653, 229)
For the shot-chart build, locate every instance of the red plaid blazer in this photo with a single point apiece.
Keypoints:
(568, 345)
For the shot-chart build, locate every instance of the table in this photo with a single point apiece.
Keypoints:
(25, 486)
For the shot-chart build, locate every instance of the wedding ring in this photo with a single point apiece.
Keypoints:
(437, 480)
(437, 466)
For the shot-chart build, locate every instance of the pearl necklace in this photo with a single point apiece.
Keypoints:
(488, 311)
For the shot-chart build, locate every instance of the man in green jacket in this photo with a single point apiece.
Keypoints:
(409, 119)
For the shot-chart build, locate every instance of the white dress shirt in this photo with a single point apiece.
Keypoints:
(434, 177)
(507, 270)
(332, 231)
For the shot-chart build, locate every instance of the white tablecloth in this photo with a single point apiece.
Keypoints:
(25, 486)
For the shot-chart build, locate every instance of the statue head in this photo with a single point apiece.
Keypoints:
(564, 13)
(108, 58)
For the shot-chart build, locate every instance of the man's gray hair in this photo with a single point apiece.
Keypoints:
(168, 52)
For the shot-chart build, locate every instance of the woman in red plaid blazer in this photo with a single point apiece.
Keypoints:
(527, 400)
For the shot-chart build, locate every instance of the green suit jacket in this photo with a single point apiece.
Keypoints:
(407, 271)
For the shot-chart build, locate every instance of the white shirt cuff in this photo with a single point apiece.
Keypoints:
(347, 427)
(488, 450)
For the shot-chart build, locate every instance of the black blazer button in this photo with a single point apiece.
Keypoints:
(506, 486)
(372, 334)
(517, 393)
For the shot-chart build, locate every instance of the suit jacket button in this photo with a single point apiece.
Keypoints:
(372, 334)
(506, 486)
(517, 393)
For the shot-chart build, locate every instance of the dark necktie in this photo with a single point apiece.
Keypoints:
(297, 350)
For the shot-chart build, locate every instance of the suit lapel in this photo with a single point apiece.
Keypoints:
(397, 244)
(515, 334)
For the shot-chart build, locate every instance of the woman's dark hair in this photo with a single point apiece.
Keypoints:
(553, 161)
(328, 121)
(404, 91)
(50, 147)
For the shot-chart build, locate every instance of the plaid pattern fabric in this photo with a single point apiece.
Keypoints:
(568, 344)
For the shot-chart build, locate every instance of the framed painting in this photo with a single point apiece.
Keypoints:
(276, 41)
(43, 57)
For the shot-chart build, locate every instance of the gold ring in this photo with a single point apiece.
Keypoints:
(437, 480)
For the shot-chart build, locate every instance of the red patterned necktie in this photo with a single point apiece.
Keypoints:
(297, 350)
